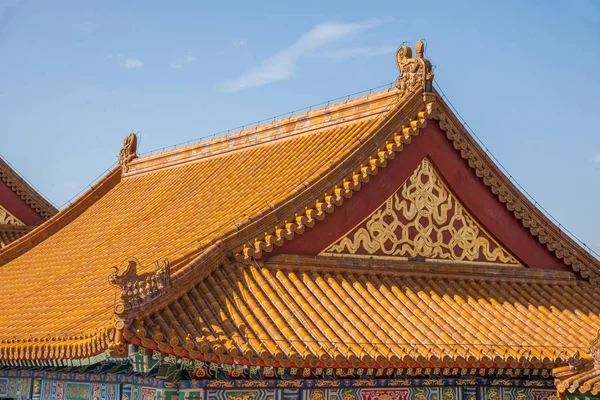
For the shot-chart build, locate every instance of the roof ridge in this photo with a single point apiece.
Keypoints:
(442, 269)
(26, 191)
(278, 117)
(235, 243)
(331, 114)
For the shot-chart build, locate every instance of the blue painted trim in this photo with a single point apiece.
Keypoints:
(276, 383)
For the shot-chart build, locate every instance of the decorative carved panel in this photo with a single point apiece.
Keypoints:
(6, 218)
(422, 219)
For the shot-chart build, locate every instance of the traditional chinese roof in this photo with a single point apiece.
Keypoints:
(21, 206)
(177, 251)
(301, 311)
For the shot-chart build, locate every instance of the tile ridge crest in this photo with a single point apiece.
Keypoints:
(261, 134)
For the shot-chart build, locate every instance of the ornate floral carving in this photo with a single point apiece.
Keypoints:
(128, 151)
(326, 203)
(6, 218)
(422, 219)
(135, 289)
(414, 72)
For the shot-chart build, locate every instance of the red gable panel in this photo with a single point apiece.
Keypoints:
(18, 207)
(475, 197)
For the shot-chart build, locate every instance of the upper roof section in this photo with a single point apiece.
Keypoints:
(171, 218)
(175, 211)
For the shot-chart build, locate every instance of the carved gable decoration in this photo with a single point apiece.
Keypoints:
(6, 218)
(422, 219)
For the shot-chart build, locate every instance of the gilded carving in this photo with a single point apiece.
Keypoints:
(135, 289)
(6, 218)
(563, 247)
(448, 394)
(414, 72)
(128, 151)
(422, 219)
(241, 395)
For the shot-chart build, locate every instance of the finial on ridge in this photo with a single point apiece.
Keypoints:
(420, 48)
(128, 152)
(415, 73)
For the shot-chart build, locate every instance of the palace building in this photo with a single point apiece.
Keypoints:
(366, 250)
(22, 208)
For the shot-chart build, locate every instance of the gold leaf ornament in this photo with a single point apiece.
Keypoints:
(422, 219)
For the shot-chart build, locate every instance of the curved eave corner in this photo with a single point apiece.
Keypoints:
(84, 348)
(57, 349)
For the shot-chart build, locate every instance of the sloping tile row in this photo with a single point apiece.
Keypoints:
(305, 316)
(59, 289)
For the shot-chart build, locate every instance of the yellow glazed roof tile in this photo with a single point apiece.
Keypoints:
(319, 312)
(236, 196)
(163, 208)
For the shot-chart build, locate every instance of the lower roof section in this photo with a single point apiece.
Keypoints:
(322, 312)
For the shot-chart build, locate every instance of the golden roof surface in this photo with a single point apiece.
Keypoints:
(170, 212)
(185, 227)
(314, 311)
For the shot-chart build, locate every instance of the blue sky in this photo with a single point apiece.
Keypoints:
(78, 76)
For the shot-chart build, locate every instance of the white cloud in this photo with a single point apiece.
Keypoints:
(239, 43)
(282, 65)
(346, 54)
(181, 61)
(189, 57)
(132, 63)
(596, 159)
